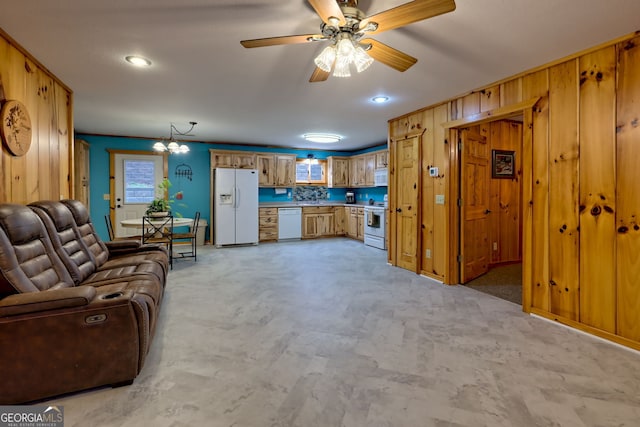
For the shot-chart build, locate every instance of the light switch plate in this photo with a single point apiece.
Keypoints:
(439, 199)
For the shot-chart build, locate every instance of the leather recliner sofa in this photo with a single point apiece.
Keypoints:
(74, 314)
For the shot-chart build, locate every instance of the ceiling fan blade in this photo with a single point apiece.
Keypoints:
(328, 9)
(318, 75)
(389, 56)
(274, 41)
(408, 13)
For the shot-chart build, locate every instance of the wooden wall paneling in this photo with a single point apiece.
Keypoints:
(471, 104)
(495, 141)
(427, 195)
(32, 81)
(511, 92)
(527, 211)
(392, 191)
(490, 98)
(441, 225)
(536, 158)
(516, 135)
(45, 183)
(455, 109)
(5, 180)
(628, 200)
(563, 190)
(598, 189)
(14, 88)
(63, 136)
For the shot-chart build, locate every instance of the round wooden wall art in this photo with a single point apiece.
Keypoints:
(16, 127)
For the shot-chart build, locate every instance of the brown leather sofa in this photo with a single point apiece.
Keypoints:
(75, 313)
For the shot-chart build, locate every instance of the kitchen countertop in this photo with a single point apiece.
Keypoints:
(312, 204)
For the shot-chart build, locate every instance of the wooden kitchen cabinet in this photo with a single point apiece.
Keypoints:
(369, 170)
(318, 221)
(265, 163)
(337, 172)
(268, 224)
(351, 222)
(285, 170)
(356, 171)
(382, 159)
(339, 220)
(360, 234)
(232, 159)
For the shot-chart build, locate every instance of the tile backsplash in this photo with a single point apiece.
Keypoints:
(303, 193)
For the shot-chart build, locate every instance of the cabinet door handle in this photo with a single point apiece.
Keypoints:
(398, 209)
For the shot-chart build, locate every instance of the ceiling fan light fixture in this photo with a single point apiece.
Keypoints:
(322, 138)
(327, 57)
(342, 68)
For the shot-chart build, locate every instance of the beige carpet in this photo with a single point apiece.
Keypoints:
(325, 333)
(504, 282)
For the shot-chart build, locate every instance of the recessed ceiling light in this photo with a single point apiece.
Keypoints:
(138, 61)
(380, 99)
(323, 138)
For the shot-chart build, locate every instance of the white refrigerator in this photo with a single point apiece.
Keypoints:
(235, 206)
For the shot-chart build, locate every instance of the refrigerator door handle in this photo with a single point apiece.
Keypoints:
(237, 197)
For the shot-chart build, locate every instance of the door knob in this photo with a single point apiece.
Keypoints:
(398, 209)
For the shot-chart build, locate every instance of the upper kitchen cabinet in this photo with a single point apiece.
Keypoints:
(382, 159)
(265, 164)
(232, 159)
(338, 172)
(285, 175)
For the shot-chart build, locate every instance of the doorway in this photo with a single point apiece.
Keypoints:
(134, 181)
(491, 209)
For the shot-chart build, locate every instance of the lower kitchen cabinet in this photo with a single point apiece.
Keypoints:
(268, 224)
(355, 222)
(339, 220)
(318, 221)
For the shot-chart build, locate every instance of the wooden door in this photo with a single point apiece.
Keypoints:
(407, 174)
(81, 171)
(474, 184)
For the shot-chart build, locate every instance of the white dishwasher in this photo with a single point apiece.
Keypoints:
(289, 223)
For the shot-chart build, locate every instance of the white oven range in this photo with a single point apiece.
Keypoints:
(374, 226)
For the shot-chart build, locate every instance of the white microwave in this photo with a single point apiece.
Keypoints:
(380, 178)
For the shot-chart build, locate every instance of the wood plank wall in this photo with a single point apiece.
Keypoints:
(581, 206)
(45, 171)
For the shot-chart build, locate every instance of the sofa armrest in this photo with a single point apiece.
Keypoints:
(119, 245)
(32, 302)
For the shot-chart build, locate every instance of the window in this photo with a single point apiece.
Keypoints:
(139, 181)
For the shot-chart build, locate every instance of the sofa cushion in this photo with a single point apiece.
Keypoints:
(60, 225)
(28, 262)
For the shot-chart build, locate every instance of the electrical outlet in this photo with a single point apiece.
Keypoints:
(495, 246)
(428, 253)
(439, 199)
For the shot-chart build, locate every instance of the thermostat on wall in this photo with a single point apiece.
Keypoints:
(433, 171)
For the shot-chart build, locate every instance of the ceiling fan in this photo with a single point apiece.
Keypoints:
(344, 26)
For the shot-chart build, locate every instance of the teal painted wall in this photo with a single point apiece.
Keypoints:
(196, 192)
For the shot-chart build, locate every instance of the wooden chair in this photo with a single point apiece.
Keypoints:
(191, 236)
(112, 237)
(159, 230)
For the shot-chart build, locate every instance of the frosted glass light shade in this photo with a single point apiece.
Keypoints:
(159, 146)
(361, 59)
(325, 60)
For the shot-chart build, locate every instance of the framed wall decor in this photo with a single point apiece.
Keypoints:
(503, 164)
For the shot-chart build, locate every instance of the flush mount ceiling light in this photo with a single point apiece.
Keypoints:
(138, 61)
(172, 146)
(322, 138)
(380, 99)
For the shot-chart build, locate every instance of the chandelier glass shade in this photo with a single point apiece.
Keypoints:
(172, 147)
(339, 56)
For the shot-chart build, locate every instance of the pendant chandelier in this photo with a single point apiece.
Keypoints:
(172, 146)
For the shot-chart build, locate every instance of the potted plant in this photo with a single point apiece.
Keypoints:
(160, 206)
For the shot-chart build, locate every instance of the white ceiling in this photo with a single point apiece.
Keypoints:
(262, 96)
